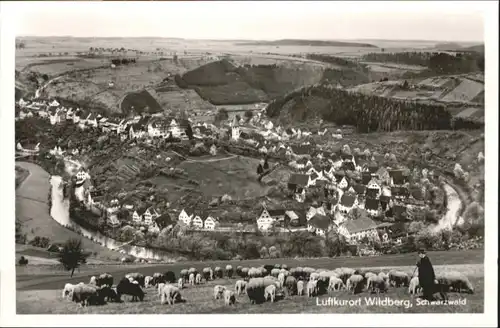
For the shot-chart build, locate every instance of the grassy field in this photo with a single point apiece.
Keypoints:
(199, 299)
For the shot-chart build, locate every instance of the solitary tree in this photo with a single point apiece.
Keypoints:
(72, 255)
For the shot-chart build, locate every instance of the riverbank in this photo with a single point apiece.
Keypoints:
(33, 210)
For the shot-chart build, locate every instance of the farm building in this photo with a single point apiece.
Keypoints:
(355, 230)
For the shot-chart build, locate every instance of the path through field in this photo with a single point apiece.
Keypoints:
(454, 203)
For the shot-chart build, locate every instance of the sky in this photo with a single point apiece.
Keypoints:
(327, 20)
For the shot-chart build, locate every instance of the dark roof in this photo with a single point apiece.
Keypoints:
(397, 176)
(314, 175)
(347, 200)
(359, 188)
(300, 150)
(373, 167)
(400, 191)
(141, 210)
(299, 179)
(346, 157)
(321, 183)
(372, 204)
(349, 166)
(365, 178)
(359, 225)
(163, 221)
(277, 212)
(320, 221)
(360, 161)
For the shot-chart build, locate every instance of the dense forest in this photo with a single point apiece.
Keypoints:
(369, 113)
(436, 62)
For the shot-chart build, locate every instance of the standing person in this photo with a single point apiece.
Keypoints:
(426, 276)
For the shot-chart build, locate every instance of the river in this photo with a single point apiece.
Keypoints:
(60, 212)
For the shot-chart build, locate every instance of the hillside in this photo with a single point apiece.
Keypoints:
(223, 83)
(312, 43)
(463, 94)
(367, 113)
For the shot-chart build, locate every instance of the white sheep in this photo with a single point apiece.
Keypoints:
(300, 288)
(148, 281)
(335, 283)
(93, 280)
(218, 291)
(455, 280)
(281, 277)
(170, 294)
(191, 278)
(160, 287)
(414, 287)
(68, 289)
(180, 283)
(197, 279)
(229, 297)
(240, 286)
(270, 293)
(312, 288)
(354, 282)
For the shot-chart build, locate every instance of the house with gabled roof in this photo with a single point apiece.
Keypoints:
(347, 202)
(375, 185)
(185, 217)
(269, 217)
(355, 230)
(359, 189)
(343, 184)
(400, 192)
(372, 206)
(319, 224)
(164, 221)
(366, 178)
(313, 211)
(383, 175)
(197, 221)
(298, 182)
(211, 223)
(385, 202)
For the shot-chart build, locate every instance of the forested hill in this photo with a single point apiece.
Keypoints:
(366, 113)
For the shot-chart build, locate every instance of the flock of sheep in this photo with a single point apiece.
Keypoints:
(265, 283)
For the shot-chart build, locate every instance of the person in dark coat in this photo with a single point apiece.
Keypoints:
(426, 276)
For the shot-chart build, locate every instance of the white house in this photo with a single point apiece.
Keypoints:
(263, 149)
(148, 217)
(136, 217)
(235, 129)
(185, 217)
(343, 183)
(319, 224)
(211, 223)
(91, 120)
(81, 176)
(355, 230)
(197, 221)
(268, 217)
(54, 103)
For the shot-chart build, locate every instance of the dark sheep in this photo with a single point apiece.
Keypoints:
(170, 277)
(125, 287)
(104, 279)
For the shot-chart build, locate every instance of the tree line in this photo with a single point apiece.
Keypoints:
(437, 62)
(369, 113)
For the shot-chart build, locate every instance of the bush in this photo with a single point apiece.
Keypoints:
(22, 261)
(42, 242)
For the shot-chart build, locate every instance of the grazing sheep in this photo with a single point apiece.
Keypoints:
(456, 281)
(229, 271)
(384, 276)
(367, 275)
(184, 274)
(300, 288)
(270, 293)
(68, 290)
(275, 272)
(160, 287)
(377, 284)
(208, 273)
(83, 294)
(277, 266)
(157, 278)
(192, 271)
(180, 283)
(125, 287)
(148, 281)
(312, 286)
(414, 287)
(399, 278)
(238, 270)
(197, 279)
(104, 279)
(218, 291)
(93, 281)
(345, 273)
(191, 278)
(255, 289)
(355, 283)
(268, 268)
(281, 277)
(290, 285)
(335, 283)
(240, 286)
(244, 273)
(314, 276)
(254, 273)
(307, 271)
(229, 297)
(263, 271)
(169, 277)
(284, 267)
(170, 294)
(218, 272)
(139, 277)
